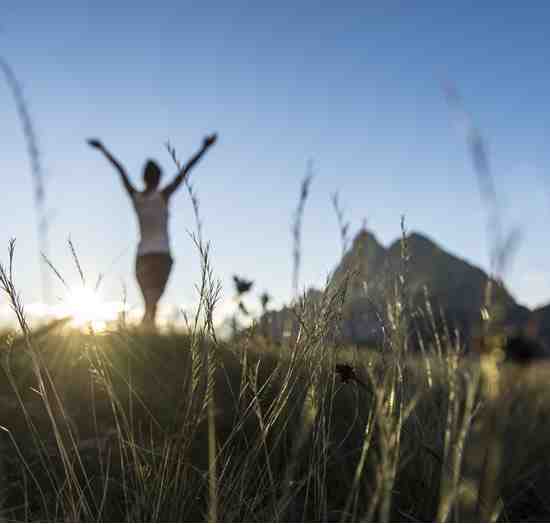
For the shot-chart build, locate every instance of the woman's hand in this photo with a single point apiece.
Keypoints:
(96, 144)
(209, 140)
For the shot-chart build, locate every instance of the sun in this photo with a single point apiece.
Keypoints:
(87, 309)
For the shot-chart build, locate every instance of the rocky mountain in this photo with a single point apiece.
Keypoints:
(453, 285)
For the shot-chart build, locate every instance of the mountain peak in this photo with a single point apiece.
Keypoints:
(455, 286)
(415, 241)
(364, 236)
(365, 255)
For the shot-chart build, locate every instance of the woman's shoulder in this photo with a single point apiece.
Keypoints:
(149, 196)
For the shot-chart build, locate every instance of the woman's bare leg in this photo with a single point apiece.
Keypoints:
(152, 272)
(151, 298)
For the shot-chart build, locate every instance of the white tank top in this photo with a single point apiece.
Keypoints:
(152, 213)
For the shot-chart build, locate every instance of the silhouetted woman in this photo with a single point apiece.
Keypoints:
(153, 261)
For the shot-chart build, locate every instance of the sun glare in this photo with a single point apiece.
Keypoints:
(87, 309)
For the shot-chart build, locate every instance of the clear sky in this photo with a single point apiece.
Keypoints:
(355, 86)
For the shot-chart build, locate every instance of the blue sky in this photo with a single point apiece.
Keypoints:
(355, 86)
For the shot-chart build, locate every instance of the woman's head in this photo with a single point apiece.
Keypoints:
(151, 174)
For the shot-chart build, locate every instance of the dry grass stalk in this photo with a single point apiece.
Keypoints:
(297, 228)
(36, 170)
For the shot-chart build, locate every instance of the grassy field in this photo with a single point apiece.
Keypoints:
(127, 426)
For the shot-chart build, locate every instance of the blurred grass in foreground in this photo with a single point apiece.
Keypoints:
(106, 428)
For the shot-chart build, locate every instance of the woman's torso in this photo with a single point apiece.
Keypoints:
(152, 212)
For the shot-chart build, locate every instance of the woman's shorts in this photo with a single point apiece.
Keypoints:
(153, 270)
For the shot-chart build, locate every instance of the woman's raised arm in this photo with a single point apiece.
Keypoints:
(97, 144)
(208, 142)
